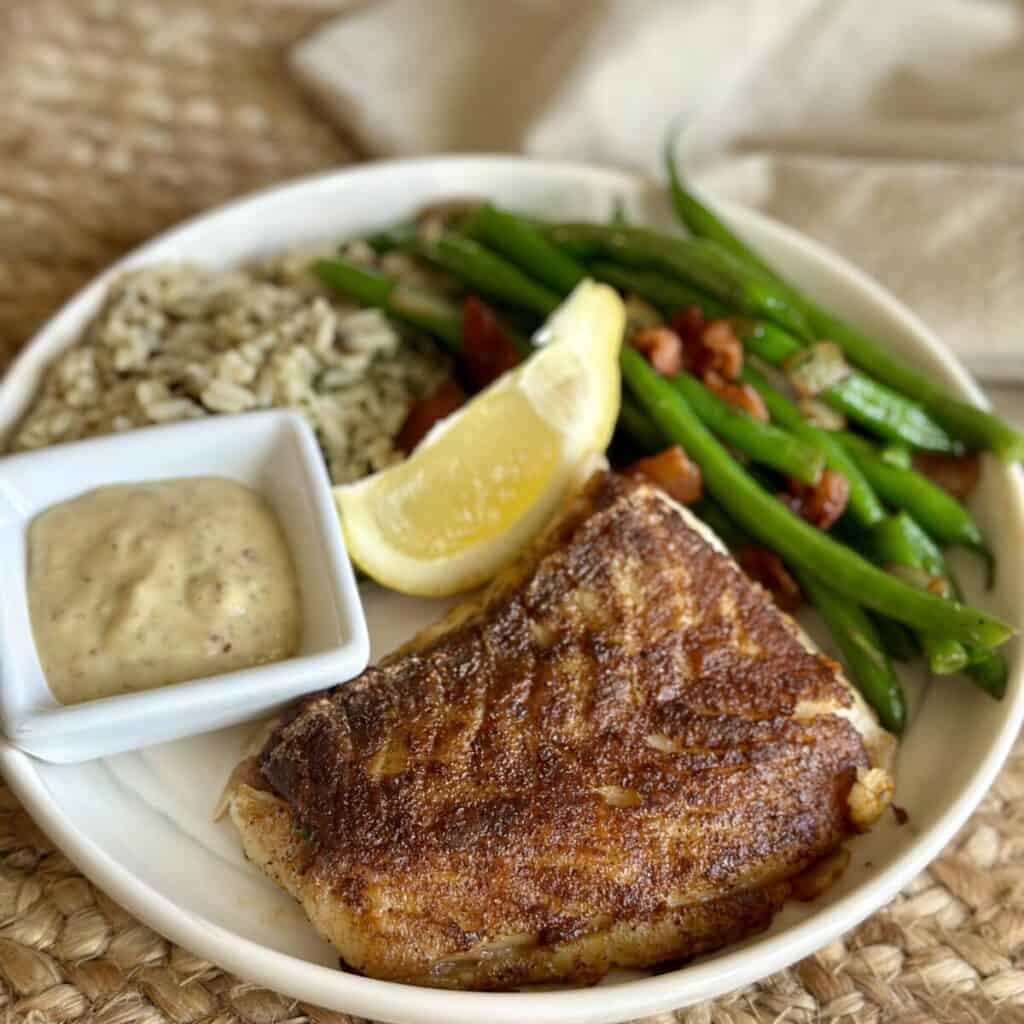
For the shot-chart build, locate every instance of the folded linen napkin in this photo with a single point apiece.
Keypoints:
(894, 133)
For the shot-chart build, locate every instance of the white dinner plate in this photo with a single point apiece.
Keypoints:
(139, 825)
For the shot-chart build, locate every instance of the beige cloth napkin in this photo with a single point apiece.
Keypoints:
(892, 132)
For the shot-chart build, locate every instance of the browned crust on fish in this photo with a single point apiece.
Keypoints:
(607, 759)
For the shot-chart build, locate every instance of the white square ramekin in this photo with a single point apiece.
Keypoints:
(276, 454)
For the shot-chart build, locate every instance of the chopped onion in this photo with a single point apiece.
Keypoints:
(816, 368)
(424, 303)
(640, 314)
(895, 455)
(820, 415)
(436, 218)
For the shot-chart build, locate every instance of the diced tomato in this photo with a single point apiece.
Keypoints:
(822, 503)
(816, 368)
(428, 411)
(662, 347)
(673, 471)
(743, 396)
(720, 351)
(766, 568)
(487, 352)
(827, 499)
(689, 324)
(710, 346)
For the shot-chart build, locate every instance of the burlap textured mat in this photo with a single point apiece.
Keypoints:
(120, 117)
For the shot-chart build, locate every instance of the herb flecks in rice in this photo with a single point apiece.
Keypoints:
(177, 341)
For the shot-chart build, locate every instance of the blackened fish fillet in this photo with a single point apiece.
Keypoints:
(619, 755)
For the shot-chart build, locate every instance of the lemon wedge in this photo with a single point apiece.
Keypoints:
(486, 479)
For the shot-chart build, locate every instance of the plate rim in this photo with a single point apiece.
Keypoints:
(386, 1000)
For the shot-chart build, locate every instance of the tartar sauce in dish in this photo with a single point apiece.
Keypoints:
(135, 586)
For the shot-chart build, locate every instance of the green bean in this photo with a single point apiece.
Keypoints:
(426, 310)
(429, 311)
(404, 235)
(799, 543)
(763, 442)
(897, 641)
(766, 341)
(863, 505)
(521, 242)
(861, 646)
(977, 427)
(941, 515)
(899, 541)
(988, 671)
(638, 426)
(974, 425)
(985, 667)
(668, 294)
(946, 657)
(887, 413)
(490, 274)
(703, 222)
(701, 262)
(913, 544)
(882, 411)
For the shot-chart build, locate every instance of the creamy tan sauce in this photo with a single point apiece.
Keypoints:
(135, 586)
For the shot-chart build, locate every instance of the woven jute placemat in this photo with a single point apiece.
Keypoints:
(119, 118)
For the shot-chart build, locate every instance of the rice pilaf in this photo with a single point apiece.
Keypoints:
(179, 341)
